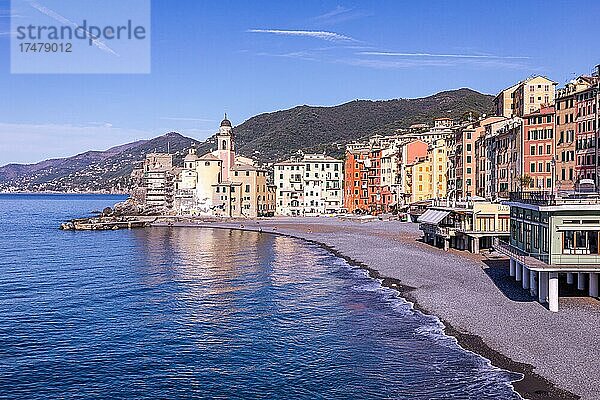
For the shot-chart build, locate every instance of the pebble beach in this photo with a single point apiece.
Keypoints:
(473, 295)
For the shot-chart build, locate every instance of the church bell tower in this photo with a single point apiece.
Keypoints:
(226, 147)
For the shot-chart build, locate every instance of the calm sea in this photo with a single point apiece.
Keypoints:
(169, 313)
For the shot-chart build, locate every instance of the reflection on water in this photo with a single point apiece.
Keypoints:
(183, 312)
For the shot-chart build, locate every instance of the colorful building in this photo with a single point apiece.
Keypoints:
(538, 150)
(525, 97)
(356, 197)
(504, 103)
(465, 159)
(419, 180)
(586, 138)
(532, 94)
(370, 181)
(498, 158)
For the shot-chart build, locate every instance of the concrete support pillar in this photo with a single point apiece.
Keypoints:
(553, 292)
(525, 274)
(476, 245)
(593, 285)
(519, 272)
(533, 283)
(513, 267)
(446, 244)
(543, 287)
(581, 281)
(570, 279)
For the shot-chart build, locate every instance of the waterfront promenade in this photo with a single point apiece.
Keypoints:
(487, 311)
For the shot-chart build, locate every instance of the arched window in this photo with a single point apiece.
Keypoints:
(224, 145)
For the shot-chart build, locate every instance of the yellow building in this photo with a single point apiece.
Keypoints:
(427, 177)
(438, 154)
(419, 185)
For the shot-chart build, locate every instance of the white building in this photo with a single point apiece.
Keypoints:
(309, 186)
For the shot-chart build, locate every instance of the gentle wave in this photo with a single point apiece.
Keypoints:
(179, 313)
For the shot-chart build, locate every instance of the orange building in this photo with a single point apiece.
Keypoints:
(538, 149)
(364, 192)
(355, 181)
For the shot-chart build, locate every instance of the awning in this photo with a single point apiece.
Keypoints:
(433, 217)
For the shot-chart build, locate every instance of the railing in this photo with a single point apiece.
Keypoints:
(445, 231)
(452, 203)
(550, 199)
(520, 255)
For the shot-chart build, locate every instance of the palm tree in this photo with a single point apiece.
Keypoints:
(525, 181)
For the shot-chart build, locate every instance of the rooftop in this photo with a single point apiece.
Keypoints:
(209, 156)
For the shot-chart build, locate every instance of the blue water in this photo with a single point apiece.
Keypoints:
(169, 313)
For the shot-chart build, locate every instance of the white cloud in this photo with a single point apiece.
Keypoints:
(323, 35)
(340, 14)
(413, 62)
(187, 119)
(483, 56)
(300, 55)
(339, 10)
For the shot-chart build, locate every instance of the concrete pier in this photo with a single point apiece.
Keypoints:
(533, 283)
(570, 278)
(525, 276)
(476, 245)
(553, 292)
(519, 272)
(543, 287)
(513, 267)
(593, 286)
(581, 281)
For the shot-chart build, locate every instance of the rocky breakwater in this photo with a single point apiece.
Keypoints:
(124, 215)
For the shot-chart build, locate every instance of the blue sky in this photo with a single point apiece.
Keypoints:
(250, 57)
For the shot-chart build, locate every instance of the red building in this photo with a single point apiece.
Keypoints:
(538, 148)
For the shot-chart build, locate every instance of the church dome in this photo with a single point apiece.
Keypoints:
(226, 122)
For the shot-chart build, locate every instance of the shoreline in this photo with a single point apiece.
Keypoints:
(532, 386)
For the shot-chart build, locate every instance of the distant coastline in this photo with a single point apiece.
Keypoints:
(48, 192)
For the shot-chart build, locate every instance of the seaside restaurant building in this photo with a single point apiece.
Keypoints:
(469, 225)
(553, 236)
